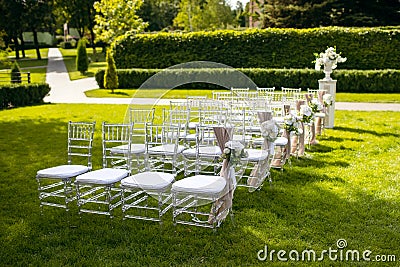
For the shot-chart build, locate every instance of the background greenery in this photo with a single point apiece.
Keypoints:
(365, 48)
(345, 187)
(351, 81)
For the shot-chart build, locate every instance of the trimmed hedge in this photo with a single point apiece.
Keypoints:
(351, 81)
(365, 48)
(20, 95)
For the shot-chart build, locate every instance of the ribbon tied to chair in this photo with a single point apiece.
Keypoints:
(224, 203)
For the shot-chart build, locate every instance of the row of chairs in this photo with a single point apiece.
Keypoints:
(142, 160)
(116, 184)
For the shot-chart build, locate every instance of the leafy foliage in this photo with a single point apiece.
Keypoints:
(195, 15)
(110, 74)
(351, 81)
(365, 48)
(15, 73)
(21, 95)
(315, 13)
(82, 61)
(116, 19)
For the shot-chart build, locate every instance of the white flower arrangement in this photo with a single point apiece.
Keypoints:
(233, 152)
(315, 105)
(291, 123)
(329, 57)
(328, 100)
(306, 113)
(270, 130)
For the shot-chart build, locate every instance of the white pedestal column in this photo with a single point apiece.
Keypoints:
(330, 87)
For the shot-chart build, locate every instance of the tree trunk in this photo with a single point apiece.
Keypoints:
(16, 47)
(22, 45)
(92, 44)
(36, 42)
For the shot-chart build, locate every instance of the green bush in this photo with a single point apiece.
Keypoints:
(66, 45)
(365, 48)
(357, 81)
(110, 74)
(82, 60)
(19, 95)
(15, 73)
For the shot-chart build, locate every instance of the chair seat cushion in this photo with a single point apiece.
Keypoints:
(281, 141)
(166, 149)
(206, 151)
(149, 180)
(62, 171)
(192, 125)
(191, 137)
(135, 149)
(200, 184)
(103, 176)
(255, 155)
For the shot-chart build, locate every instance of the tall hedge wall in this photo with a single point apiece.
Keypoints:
(357, 81)
(19, 95)
(365, 48)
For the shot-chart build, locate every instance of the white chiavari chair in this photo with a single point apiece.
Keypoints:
(97, 191)
(55, 184)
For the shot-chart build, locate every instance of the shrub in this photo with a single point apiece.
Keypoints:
(15, 73)
(19, 95)
(110, 75)
(66, 45)
(82, 61)
(365, 48)
(357, 81)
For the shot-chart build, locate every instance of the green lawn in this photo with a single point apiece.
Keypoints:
(96, 62)
(344, 188)
(37, 68)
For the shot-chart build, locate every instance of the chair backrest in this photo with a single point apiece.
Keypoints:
(316, 92)
(291, 90)
(117, 135)
(162, 134)
(262, 91)
(139, 118)
(80, 141)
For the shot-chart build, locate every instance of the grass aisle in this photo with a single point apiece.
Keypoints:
(345, 187)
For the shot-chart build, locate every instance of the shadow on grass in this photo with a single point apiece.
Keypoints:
(363, 131)
(302, 209)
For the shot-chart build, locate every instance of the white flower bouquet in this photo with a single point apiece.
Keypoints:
(315, 105)
(291, 123)
(233, 152)
(328, 100)
(270, 130)
(329, 57)
(306, 113)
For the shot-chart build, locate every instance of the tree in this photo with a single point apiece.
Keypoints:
(110, 75)
(36, 16)
(82, 62)
(117, 19)
(78, 14)
(159, 14)
(197, 15)
(15, 73)
(11, 22)
(315, 13)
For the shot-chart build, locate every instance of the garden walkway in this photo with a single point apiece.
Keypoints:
(63, 90)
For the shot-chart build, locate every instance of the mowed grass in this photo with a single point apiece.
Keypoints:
(37, 68)
(346, 187)
(96, 62)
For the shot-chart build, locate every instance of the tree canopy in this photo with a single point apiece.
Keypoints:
(117, 18)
